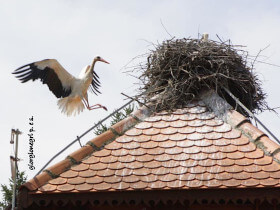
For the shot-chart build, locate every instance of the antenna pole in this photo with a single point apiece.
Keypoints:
(15, 132)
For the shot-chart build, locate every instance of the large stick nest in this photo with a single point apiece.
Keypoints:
(178, 70)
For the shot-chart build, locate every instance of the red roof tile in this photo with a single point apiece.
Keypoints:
(87, 173)
(76, 180)
(83, 187)
(69, 174)
(58, 181)
(48, 188)
(188, 148)
(65, 187)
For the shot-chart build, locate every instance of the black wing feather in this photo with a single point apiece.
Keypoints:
(47, 76)
(95, 84)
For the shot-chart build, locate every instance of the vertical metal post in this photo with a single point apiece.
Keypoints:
(16, 132)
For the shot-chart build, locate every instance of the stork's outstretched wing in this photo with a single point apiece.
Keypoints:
(50, 72)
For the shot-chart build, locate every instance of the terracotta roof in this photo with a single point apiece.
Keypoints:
(196, 147)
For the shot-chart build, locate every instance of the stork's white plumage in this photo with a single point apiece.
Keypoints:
(71, 90)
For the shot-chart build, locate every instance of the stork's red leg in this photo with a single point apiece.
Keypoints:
(96, 106)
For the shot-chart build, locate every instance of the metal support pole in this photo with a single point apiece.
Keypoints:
(16, 132)
(251, 114)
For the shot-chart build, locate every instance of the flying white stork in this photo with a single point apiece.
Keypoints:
(71, 90)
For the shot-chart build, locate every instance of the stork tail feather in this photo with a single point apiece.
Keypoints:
(71, 106)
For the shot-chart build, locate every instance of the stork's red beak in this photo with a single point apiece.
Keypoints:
(102, 60)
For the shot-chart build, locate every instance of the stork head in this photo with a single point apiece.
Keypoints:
(98, 58)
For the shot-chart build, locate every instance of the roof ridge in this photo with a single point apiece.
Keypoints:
(96, 144)
(214, 102)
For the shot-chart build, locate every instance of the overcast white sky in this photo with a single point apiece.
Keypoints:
(74, 32)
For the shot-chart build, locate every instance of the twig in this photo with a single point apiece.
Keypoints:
(259, 54)
(166, 29)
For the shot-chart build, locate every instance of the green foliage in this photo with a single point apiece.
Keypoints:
(117, 117)
(100, 129)
(7, 190)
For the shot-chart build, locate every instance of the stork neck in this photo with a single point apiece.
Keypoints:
(92, 65)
